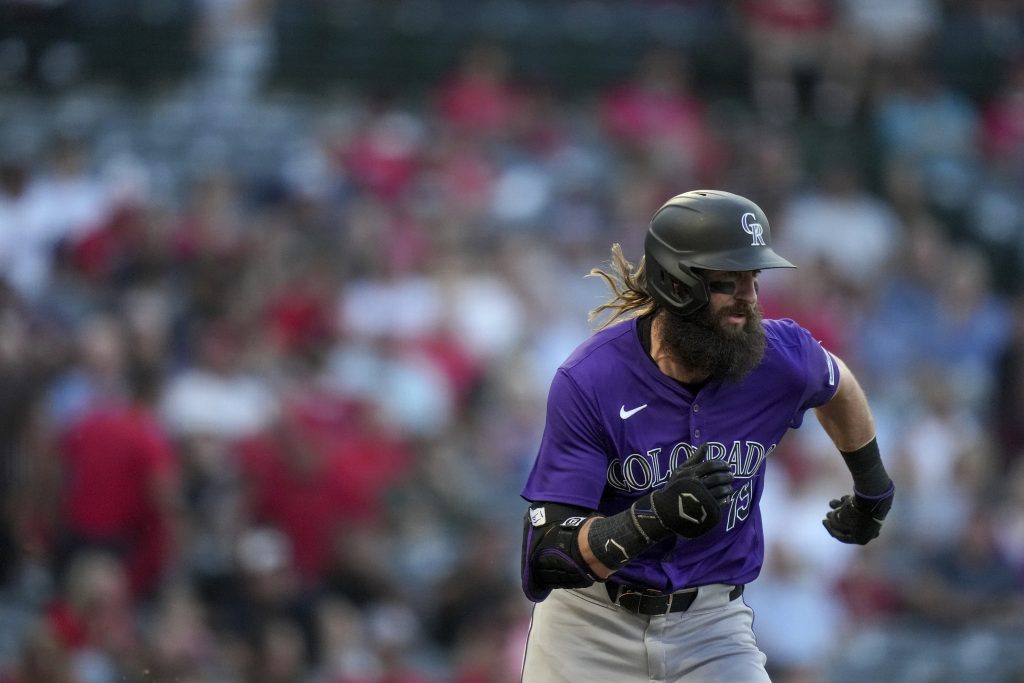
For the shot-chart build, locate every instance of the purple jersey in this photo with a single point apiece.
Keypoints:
(617, 426)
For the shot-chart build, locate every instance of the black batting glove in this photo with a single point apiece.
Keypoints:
(690, 503)
(857, 518)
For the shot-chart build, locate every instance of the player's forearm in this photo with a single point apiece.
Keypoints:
(848, 422)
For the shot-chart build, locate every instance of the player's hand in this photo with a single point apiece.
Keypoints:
(856, 518)
(690, 503)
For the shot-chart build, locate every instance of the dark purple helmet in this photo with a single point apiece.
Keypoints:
(707, 229)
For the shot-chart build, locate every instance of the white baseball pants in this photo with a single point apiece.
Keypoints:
(579, 636)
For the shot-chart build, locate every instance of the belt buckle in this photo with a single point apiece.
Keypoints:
(623, 592)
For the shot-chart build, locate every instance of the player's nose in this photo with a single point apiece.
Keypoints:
(746, 288)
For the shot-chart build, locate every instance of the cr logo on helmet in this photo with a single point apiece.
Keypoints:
(753, 228)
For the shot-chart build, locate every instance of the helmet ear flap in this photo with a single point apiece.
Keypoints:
(683, 295)
(693, 291)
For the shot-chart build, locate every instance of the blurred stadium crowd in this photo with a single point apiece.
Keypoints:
(284, 284)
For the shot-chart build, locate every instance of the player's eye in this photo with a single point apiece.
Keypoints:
(730, 285)
(722, 286)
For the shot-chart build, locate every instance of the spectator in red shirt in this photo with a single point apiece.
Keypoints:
(320, 468)
(657, 114)
(1003, 120)
(479, 98)
(384, 156)
(802, 45)
(121, 487)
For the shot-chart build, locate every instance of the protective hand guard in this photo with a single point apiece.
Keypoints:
(551, 555)
(690, 503)
(857, 518)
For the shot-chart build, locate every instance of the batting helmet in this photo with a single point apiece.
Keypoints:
(706, 229)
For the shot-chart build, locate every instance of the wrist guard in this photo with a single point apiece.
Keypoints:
(618, 539)
(869, 476)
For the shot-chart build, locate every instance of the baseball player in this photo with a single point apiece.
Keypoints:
(644, 523)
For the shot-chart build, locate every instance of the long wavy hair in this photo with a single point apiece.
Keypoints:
(628, 285)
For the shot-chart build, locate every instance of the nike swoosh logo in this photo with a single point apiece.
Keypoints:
(626, 414)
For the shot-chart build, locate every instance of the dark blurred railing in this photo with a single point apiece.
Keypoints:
(140, 44)
(571, 46)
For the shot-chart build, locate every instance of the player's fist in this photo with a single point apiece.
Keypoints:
(856, 518)
(690, 503)
(713, 474)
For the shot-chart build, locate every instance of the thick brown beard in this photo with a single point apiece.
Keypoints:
(703, 343)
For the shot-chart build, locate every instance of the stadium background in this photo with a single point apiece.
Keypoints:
(284, 284)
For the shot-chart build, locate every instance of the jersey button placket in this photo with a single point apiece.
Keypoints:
(696, 422)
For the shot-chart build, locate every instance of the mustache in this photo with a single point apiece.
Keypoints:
(748, 310)
(752, 313)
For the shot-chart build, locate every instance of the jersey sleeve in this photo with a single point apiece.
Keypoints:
(572, 459)
(822, 376)
(815, 365)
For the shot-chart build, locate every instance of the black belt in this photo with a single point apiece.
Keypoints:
(651, 602)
